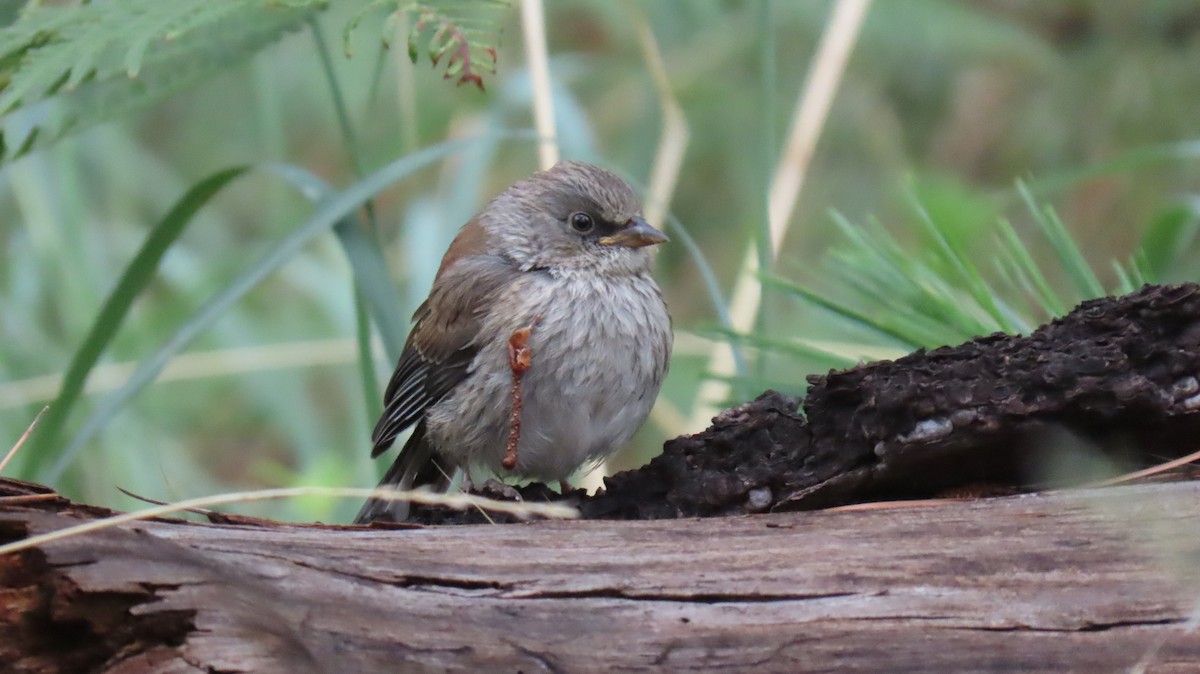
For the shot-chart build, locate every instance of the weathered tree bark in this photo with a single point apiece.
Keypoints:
(1087, 581)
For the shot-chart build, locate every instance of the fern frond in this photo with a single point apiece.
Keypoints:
(101, 59)
(65, 67)
(462, 33)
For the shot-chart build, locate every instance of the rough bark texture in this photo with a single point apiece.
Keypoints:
(1089, 581)
(1117, 377)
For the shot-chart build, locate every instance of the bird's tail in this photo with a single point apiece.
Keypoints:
(416, 466)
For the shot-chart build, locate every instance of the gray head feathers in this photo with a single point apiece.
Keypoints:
(543, 221)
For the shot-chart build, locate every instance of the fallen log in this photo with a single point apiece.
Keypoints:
(1086, 581)
(1097, 580)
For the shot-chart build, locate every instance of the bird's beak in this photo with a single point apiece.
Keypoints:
(636, 234)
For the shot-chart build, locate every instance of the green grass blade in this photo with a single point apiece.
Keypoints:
(366, 261)
(1022, 260)
(366, 363)
(1130, 162)
(1125, 280)
(328, 213)
(137, 276)
(845, 312)
(375, 296)
(1167, 238)
(977, 287)
(1069, 255)
(710, 283)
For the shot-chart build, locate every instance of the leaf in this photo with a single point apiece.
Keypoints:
(328, 212)
(96, 61)
(939, 294)
(365, 257)
(1070, 257)
(467, 31)
(1170, 234)
(137, 276)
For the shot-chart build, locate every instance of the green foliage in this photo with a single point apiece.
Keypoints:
(332, 210)
(465, 34)
(264, 326)
(66, 67)
(944, 292)
(102, 60)
(134, 279)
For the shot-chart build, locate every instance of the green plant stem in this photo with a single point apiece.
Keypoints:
(328, 212)
(366, 364)
(137, 275)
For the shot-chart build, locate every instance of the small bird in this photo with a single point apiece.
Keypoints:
(542, 344)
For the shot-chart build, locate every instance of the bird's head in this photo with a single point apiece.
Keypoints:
(572, 217)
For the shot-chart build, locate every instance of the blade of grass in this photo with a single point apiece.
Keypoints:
(327, 214)
(1132, 161)
(366, 364)
(1065, 248)
(1024, 265)
(978, 288)
(137, 276)
(845, 312)
(348, 232)
(533, 26)
(366, 259)
(1168, 236)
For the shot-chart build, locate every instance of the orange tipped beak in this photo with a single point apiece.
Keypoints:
(636, 234)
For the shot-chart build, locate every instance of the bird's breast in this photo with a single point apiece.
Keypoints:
(598, 353)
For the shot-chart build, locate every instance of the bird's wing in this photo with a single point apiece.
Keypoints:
(443, 343)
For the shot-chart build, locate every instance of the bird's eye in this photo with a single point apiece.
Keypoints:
(582, 223)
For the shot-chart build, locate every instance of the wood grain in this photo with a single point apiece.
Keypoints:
(1088, 581)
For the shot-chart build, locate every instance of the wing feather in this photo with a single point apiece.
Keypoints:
(445, 335)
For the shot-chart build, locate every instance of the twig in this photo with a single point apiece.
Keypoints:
(893, 505)
(28, 498)
(21, 440)
(519, 359)
(457, 501)
(153, 501)
(1145, 472)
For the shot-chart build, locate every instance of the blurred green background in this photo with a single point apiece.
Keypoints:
(943, 108)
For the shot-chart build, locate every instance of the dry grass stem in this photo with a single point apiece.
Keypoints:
(672, 146)
(808, 118)
(533, 25)
(893, 505)
(1145, 472)
(21, 440)
(456, 501)
(664, 177)
(196, 365)
(27, 498)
